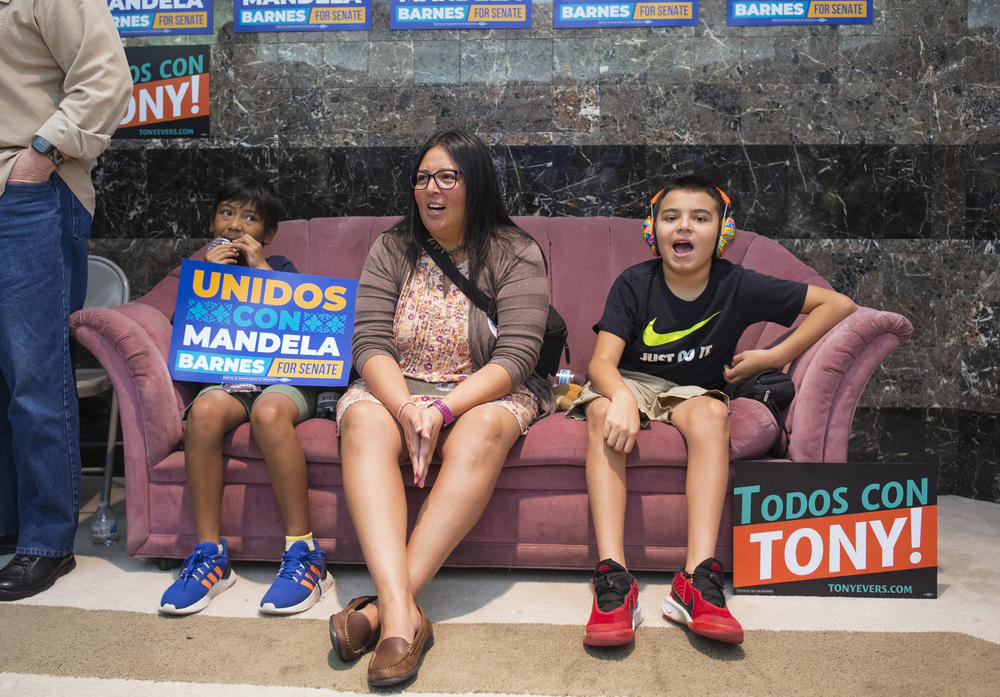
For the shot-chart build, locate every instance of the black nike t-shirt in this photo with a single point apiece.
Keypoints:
(689, 342)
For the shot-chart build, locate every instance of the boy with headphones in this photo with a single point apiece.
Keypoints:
(664, 351)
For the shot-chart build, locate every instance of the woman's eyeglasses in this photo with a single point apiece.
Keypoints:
(444, 178)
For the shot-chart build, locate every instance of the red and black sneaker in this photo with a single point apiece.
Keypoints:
(616, 612)
(697, 600)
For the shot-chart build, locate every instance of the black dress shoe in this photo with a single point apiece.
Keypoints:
(8, 544)
(26, 574)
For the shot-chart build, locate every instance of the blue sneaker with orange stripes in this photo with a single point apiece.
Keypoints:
(203, 575)
(301, 580)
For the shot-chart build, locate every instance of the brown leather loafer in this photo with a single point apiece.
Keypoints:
(395, 659)
(350, 631)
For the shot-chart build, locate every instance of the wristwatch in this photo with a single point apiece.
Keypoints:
(44, 147)
(449, 418)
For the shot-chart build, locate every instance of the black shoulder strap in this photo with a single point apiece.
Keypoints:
(451, 271)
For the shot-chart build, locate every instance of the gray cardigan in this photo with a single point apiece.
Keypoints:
(518, 283)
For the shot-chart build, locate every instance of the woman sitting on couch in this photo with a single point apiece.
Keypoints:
(437, 378)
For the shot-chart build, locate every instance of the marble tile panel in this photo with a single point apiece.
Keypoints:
(322, 117)
(347, 64)
(982, 191)
(872, 58)
(981, 51)
(574, 58)
(530, 61)
(120, 182)
(301, 64)
(437, 62)
(717, 59)
(765, 116)
(789, 60)
(981, 114)
(671, 60)
(714, 112)
(233, 64)
(625, 59)
(712, 21)
(873, 192)
(497, 109)
(984, 13)
(265, 161)
(577, 108)
(625, 110)
(948, 215)
(485, 62)
(961, 442)
(391, 63)
(892, 435)
(334, 181)
(926, 16)
(247, 114)
(172, 200)
(893, 112)
(965, 444)
(401, 116)
(570, 181)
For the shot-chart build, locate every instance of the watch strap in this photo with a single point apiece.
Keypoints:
(44, 147)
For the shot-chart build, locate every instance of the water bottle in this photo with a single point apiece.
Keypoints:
(567, 376)
(326, 405)
(104, 528)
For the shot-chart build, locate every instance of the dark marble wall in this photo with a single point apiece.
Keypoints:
(870, 151)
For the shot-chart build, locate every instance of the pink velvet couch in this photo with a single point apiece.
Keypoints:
(538, 516)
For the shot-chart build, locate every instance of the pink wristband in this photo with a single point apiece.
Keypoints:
(399, 412)
(449, 418)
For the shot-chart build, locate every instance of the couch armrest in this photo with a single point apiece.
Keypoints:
(830, 378)
(131, 342)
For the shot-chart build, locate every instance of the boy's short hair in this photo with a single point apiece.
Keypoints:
(693, 182)
(250, 188)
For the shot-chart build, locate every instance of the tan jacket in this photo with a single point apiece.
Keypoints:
(64, 77)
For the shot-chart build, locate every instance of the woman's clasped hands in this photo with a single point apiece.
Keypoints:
(421, 427)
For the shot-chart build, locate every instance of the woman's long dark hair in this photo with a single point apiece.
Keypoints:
(486, 221)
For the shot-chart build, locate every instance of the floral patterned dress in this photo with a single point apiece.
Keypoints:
(431, 327)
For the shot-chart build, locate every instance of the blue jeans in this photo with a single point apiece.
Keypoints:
(43, 278)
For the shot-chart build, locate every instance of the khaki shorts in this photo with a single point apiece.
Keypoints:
(304, 398)
(655, 397)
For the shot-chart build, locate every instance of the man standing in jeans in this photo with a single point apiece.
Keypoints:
(64, 87)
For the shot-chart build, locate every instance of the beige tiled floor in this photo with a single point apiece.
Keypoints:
(968, 530)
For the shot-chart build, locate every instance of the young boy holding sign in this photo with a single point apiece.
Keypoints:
(247, 211)
(664, 351)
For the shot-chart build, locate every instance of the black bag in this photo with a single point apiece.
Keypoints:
(553, 344)
(775, 389)
(554, 338)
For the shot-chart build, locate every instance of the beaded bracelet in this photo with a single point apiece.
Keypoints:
(402, 406)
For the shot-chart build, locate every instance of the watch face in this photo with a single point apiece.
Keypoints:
(46, 148)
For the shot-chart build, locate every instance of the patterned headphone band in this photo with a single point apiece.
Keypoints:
(727, 228)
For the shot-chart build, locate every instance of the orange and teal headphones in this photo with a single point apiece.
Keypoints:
(727, 231)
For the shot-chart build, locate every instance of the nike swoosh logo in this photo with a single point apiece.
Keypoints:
(652, 338)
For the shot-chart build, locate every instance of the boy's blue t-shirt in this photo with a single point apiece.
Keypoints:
(689, 342)
(280, 263)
